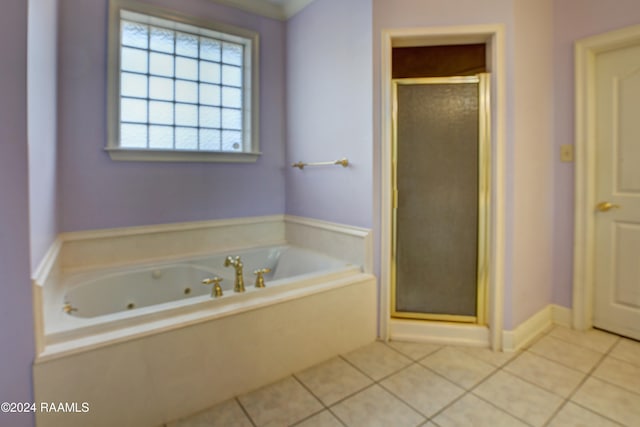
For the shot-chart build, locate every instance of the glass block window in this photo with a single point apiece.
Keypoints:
(182, 88)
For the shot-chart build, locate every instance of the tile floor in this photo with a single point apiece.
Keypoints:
(564, 379)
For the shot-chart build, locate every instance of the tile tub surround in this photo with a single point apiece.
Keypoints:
(132, 245)
(411, 384)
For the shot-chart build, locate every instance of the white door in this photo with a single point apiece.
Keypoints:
(617, 191)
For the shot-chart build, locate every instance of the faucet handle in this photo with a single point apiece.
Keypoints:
(68, 308)
(231, 260)
(216, 291)
(259, 278)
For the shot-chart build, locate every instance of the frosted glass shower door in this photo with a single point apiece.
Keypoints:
(439, 187)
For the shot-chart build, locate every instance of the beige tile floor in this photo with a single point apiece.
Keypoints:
(565, 379)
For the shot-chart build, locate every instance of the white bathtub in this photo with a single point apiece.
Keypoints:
(176, 353)
(109, 293)
(112, 304)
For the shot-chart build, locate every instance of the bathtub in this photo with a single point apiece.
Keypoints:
(145, 343)
(108, 305)
(157, 284)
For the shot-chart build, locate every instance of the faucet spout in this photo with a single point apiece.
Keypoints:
(236, 263)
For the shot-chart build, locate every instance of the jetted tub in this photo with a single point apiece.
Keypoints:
(148, 344)
(137, 300)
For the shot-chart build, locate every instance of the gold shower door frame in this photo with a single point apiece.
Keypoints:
(484, 197)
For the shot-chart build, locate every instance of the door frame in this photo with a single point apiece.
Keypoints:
(494, 37)
(585, 53)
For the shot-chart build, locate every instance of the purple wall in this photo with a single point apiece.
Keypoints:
(574, 19)
(16, 314)
(329, 107)
(532, 174)
(96, 192)
(42, 127)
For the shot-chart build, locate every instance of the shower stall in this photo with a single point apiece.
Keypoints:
(440, 174)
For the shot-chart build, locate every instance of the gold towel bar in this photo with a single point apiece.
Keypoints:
(343, 161)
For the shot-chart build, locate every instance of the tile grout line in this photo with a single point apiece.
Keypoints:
(295, 377)
(527, 423)
(454, 401)
(426, 418)
(586, 375)
(442, 376)
(565, 399)
(498, 368)
(487, 378)
(541, 387)
(465, 390)
(593, 412)
(590, 375)
(581, 383)
(636, 365)
(246, 413)
(464, 393)
(561, 363)
(379, 383)
(615, 342)
(382, 378)
(615, 385)
(337, 417)
(324, 406)
(407, 356)
(493, 373)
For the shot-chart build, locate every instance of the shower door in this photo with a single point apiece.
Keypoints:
(440, 198)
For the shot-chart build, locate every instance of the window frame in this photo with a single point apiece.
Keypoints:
(250, 77)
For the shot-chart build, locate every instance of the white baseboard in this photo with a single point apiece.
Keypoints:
(438, 332)
(562, 316)
(534, 326)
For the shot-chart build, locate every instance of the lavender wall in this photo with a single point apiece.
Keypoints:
(532, 174)
(96, 192)
(329, 102)
(574, 19)
(42, 127)
(16, 321)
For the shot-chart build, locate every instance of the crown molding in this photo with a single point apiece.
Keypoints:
(292, 7)
(282, 12)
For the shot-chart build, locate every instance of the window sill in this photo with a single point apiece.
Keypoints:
(134, 155)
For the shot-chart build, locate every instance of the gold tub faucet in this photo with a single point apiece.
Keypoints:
(237, 264)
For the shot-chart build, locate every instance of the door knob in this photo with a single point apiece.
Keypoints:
(606, 206)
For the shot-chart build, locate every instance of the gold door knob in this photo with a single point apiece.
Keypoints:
(606, 206)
